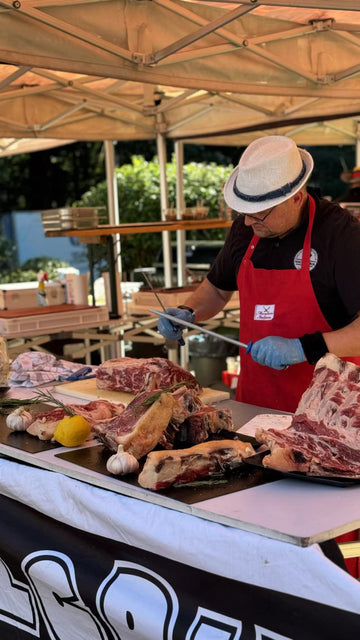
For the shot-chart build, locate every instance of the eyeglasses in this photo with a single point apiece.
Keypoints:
(249, 215)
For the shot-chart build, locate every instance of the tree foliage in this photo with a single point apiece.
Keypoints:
(29, 269)
(138, 185)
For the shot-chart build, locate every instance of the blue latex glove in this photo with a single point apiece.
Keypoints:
(170, 330)
(277, 352)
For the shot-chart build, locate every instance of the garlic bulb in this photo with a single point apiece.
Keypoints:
(19, 420)
(122, 462)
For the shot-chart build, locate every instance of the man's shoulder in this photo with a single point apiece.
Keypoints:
(335, 228)
(332, 212)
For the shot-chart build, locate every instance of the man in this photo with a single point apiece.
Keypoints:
(295, 260)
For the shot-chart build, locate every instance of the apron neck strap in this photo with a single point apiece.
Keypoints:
(305, 262)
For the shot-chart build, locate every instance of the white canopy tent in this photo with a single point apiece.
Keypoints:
(190, 70)
(186, 70)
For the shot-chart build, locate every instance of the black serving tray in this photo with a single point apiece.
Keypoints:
(336, 481)
(243, 477)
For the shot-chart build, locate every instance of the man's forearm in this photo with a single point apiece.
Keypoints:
(344, 342)
(207, 300)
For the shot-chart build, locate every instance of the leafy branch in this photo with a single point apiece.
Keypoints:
(8, 404)
(46, 396)
(155, 396)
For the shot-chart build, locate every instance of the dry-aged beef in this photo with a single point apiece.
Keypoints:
(163, 468)
(44, 424)
(187, 401)
(139, 427)
(192, 421)
(324, 435)
(133, 375)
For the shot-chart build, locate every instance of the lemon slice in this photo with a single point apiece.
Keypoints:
(72, 431)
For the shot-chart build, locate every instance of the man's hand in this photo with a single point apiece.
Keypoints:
(277, 352)
(170, 330)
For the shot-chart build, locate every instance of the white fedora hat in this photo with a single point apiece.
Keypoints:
(269, 172)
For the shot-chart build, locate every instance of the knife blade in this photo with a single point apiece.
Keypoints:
(181, 340)
(191, 325)
(150, 284)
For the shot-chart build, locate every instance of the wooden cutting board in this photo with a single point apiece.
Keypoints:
(87, 390)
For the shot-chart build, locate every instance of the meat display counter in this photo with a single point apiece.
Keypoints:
(131, 563)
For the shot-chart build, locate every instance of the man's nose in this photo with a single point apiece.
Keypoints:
(249, 220)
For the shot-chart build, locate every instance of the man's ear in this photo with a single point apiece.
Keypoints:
(299, 198)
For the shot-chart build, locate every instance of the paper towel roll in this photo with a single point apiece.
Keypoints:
(77, 288)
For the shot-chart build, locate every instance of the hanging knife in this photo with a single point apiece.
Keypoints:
(191, 325)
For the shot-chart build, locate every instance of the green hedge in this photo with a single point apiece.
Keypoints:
(139, 201)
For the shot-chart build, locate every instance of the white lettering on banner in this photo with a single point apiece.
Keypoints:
(17, 606)
(210, 625)
(264, 312)
(62, 602)
(265, 634)
(137, 603)
(132, 602)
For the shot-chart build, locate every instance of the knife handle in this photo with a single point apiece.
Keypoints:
(248, 348)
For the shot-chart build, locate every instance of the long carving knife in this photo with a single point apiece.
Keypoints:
(153, 290)
(191, 325)
(181, 340)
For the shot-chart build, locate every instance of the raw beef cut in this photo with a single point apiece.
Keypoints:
(133, 375)
(324, 435)
(163, 468)
(45, 423)
(189, 421)
(196, 427)
(139, 427)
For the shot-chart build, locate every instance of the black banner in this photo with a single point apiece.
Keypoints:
(57, 582)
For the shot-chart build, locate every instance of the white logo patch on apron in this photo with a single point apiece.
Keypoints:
(264, 311)
(313, 259)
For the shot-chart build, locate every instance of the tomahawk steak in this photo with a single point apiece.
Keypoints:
(324, 435)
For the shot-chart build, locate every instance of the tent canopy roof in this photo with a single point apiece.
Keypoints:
(207, 72)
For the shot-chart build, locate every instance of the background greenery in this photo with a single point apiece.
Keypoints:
(75, 174)
(138, 185)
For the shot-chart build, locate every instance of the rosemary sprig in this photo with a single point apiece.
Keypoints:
(46, 396)
(8, 404)
(155, 396)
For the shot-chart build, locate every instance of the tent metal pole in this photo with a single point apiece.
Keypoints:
(114, 247)
(112, 196)
(357, 148)
(166, 237)
(180, 235)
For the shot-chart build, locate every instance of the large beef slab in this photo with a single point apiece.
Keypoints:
(324, 435)
(133, 375)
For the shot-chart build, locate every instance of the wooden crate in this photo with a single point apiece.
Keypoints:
(169, 297)
(145, 298)
(53, 319)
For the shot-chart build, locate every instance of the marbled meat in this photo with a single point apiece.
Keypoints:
(44, 424)
(324, 435)
(189, 421)
(163, 469)
(139, 427)
(134, 375)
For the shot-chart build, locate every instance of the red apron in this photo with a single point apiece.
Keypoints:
(277, 303)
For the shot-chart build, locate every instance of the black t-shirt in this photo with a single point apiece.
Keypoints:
(334, 261)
